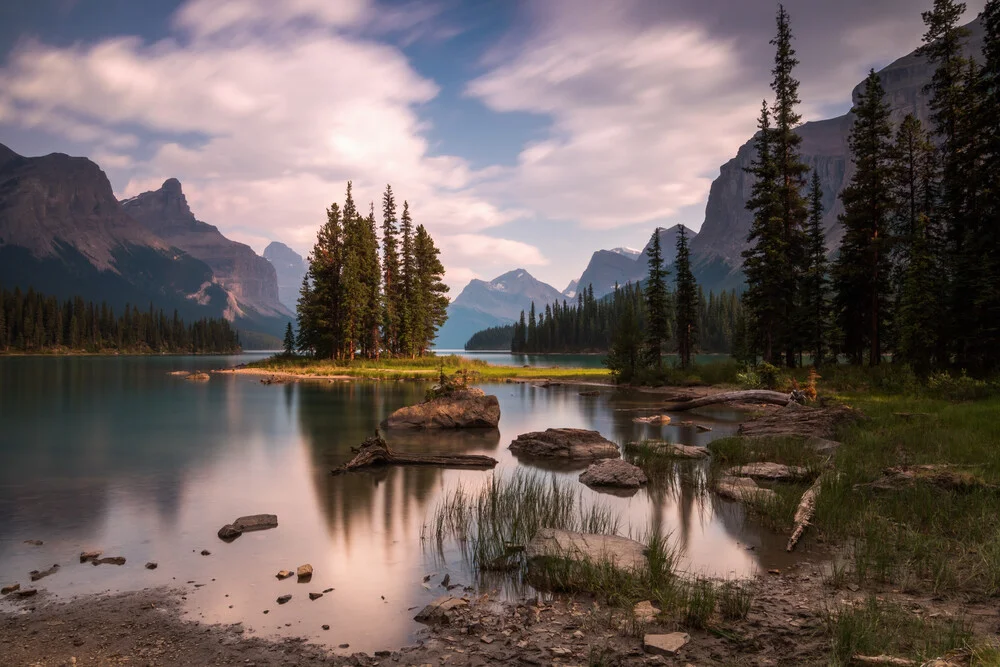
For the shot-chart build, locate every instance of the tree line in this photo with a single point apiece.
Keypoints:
(917, 272)
(33, 322)
(355, 302)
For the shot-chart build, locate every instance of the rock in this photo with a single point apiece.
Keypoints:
(662, 420)
(206, 552)
(151, 565)
(113, 560)
(665, 644)
(672, 449)
(553, 543)
(198, 377)
(90, 555)
(327, 590)
(446, 580)
(703, 428)
(565, 443)
(438, 610)
(36, 574)
(229, 532)
(315, 596)
(466, 408)
(614, 472)
(305, 572)
(284, 598)
(769, 471)
(284, 574)
(743, 489)
(34, 543)
(645, 612)
(246, 524)
(325, 626)
(7, 590)
(590, 393)
(26, 593)
(180, 373)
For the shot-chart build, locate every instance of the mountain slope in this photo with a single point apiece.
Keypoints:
(716, 250)
(485, 304)
(290, 269)
(63, 232)
(621, 265)
(250, 278)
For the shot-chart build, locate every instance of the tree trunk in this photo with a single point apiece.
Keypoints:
(749, 396)
(375, 452)
(804, 514)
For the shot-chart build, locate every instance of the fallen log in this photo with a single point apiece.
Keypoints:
(804, 513)
(882, 660)
(375, 452)
(745, 396)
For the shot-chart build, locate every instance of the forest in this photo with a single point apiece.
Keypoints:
(354, 302)
(34, 323)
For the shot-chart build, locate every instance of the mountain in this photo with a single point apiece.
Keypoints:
(290, 269)
(623, 265)
(716, 250)
(63, 233)
(486, 304)
(247, 276)
(570, 291)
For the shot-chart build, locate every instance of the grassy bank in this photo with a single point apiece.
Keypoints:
(421, 368)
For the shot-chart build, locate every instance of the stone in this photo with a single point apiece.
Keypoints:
(206, 552)
(34, 543)
(645, 612)
(325, 626)
(614, 472)
(743, 489)
(438, 611)
(7, 590)
(672, 449)
(198, 377)
(151, 565)
(327, 590)
(90, 555)
(305, 572)
(665, 644)
(622, 552)
(113, 560)
(565, 443)
(282, 599)
(36, 574)
(284, 574)
(246, 524)
(26, 593)
(315, 596)
(769, 471)
(180, 373)
(229, 532)
(661, 420)
(466, 408)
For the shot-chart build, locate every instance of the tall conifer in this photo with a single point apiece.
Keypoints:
(656, 303)
(392, 285)
(815, 287)
(686, 301)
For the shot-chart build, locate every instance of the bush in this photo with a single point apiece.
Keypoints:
(960, 387)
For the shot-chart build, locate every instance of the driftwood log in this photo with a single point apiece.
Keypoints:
(804, 513)
(746, 396)
(375, 452)
(882, 660)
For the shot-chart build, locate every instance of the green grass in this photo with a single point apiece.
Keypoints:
(422, 368)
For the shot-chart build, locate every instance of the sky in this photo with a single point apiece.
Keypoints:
(523, 134)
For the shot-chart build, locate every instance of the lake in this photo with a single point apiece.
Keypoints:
(113, 453)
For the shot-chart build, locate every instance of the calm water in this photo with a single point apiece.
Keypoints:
(501, 358)
(115, 454)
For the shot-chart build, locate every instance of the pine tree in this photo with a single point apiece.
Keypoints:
(815, 287)
(353, 293)
(686, 301)
(371, 278)
(624, 358)
(862, 270)
(764, 261)
(391, 283)
(407, 317)
(790, 183)
(987, 290)
(320, 303)
(918, 309)
(433, 304)
(289, 342)
(656, 303)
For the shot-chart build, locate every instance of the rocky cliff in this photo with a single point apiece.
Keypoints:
(250, 278)
(723, 235)
(610, 267)
(290, 269)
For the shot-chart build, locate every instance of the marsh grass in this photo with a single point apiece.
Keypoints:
(876, 627)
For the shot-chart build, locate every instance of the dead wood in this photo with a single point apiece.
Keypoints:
(882, 660)
(800, 420)
(745, 396)
(804, 513)
(375, 452)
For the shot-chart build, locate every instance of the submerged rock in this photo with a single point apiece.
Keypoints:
(743, 489)
(315, 596)
(614, 473)
(246, 524)
(34, 543)
(283, 574)
(622, 552)
(229, 532)
(36, 574)
(565, 443)
(282, 599)
(6, 590)
(467, 408)
(151, 565)
(438, 610)
(198, 377)
(113, 560)
(662, 420)
(90, 555)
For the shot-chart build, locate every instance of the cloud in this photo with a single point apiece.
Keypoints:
(263, 111)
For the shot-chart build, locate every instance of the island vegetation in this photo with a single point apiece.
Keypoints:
(33, 323)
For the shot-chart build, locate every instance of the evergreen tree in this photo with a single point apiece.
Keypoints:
(391, 284)
(862, 270)
(656, 303)
(407, 317)
(815, 288)
(320, 304)
(433, 302)
(986, 347)
(289, 342)
(519, 341)
(764, 261)
(624, 358)
(918, 311)
(371, 278)
(686, 301)
(790, 171)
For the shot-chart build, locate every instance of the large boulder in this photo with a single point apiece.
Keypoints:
(466, 408)
(565, 443)
(615, 473)
(622, 552)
